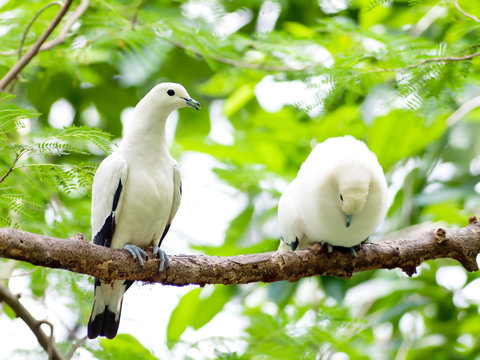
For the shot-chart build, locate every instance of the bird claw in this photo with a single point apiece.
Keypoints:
(137, 253)
(164, 260)
(329, 248)
(353, 251)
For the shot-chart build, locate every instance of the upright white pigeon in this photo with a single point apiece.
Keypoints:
(136, 193)
(338, 197)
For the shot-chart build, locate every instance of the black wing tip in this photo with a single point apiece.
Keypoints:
(104, 324)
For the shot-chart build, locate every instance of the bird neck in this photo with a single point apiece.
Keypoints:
(146, 128)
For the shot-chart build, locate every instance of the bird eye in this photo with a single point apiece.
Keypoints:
(341, 197)
(170, 92)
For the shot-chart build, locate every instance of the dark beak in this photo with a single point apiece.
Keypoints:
(348, 219)
(192, 103)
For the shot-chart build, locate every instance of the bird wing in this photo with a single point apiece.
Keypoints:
(177, 192)
(177, 196)
(107, 198)
(289, 216)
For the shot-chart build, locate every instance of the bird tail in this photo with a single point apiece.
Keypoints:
(107, 307)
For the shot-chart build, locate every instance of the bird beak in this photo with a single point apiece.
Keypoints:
(192, 103)
(348, 219)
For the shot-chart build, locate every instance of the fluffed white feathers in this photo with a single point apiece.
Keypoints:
(136, 193)
(338, 197)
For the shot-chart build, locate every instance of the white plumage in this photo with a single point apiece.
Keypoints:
(338, 197)
(136, 193)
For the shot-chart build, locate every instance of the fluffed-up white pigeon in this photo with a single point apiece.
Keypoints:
(136, 193)
(338, 198)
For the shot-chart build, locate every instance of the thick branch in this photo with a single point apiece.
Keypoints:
(78, 255)
(21, 311)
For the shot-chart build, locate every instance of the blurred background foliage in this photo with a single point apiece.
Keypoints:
(274, 78)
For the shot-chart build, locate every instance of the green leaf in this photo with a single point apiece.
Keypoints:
(196, 311)
(123, 346)
(238, 99)
(38, 282)
(402, 134)
(298, 29)
(182, 316)
(7, 310)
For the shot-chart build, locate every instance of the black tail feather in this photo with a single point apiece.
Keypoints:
(104, 324)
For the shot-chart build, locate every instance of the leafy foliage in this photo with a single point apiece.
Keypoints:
(274, 78)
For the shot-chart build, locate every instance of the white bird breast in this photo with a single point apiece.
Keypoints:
(146, 205)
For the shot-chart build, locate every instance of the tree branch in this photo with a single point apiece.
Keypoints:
(463, 110)
(426, 61)
(21, 311)
(78, 255)
(473, 17)
(81, 8)
(286, 68)
(75, 347)
(35, 17)
(33, 50)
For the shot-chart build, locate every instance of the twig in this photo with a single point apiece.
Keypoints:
(45, 341)
(470, 16)
(463, 110)
(50, 338)
(78, 255)
(242, 64)
(74, 348)
(35, 17)
(33, 50)
(18, 275)
(291, 69)
(63, 32)
(426, 61)
(81, 8)
(17, 157)
(135, 15)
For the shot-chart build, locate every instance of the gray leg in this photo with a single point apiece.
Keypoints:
(164, 260)
(329, 248)
(136, 252)
(353, 251)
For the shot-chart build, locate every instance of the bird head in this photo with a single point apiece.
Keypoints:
(171, 96)
(353, 192)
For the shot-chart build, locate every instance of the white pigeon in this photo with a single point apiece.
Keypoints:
(338, 197)
(136, 193)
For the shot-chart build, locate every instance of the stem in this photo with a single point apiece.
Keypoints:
(37, 14)
(22, 312)
(29, 55)
(17, 157)
(473, 17)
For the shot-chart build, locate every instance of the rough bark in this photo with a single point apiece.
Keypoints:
(78, 255)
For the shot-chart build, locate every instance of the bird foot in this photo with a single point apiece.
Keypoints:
(137, 253)
(329, 247)
(353, 251)
(164, 260)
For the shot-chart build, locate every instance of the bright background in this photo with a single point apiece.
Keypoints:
(274, 78)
